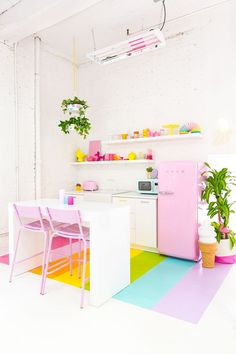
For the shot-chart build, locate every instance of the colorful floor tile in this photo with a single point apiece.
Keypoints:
(175, 287)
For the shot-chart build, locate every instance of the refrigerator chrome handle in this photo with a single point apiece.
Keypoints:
(166, 192)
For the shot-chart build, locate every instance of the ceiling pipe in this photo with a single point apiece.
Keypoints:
(16, 122)
(37, 139)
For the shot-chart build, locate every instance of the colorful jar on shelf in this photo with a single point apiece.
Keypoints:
(132, 156)
(124, 136)
(78, 187)
(136, 134)
(146, 133)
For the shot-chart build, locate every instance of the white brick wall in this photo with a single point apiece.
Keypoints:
(7, 151)
(8, 161)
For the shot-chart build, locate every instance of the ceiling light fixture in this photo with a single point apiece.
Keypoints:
(143, 42)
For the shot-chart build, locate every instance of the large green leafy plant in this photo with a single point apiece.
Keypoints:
(77, 119)
(216, 193)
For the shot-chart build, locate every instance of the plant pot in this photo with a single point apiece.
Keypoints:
(208, 251)
(73, 108)
(149, 175)
(225, 254)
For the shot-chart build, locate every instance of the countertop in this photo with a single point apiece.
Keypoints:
(137, 195)
(98, 192)
(120, 193)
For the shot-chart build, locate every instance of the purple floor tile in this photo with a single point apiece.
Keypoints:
(190, 297)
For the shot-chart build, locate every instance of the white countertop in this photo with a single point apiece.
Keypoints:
(82, 206)
(98, 192)
(120, 193)
(137, 195)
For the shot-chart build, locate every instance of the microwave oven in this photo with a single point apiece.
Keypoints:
(147, 186)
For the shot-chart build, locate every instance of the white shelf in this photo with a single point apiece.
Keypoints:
(116, 162)
(156, 138)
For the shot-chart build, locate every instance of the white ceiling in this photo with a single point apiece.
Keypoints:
(57, 22)
(30, 16)
(109, 19)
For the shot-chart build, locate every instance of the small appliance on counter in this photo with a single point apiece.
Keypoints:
(90, 186)
(147, 186)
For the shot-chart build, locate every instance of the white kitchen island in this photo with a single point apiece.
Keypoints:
(109, 245)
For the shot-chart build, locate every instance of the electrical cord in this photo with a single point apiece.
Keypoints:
(164, 20)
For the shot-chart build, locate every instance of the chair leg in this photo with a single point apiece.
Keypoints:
(84, 274)
(71, 261)
(44, 277)
(79, 259)
(14, 255)
(46, 243)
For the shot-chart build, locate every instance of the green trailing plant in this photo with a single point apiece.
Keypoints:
(216, 193)
(77, 119)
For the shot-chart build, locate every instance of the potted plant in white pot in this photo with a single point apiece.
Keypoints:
(216, 193)
(149, 172)
(76, 109)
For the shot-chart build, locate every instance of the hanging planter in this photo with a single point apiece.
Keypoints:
(76, 110)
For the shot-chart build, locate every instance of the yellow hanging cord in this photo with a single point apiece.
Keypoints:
(75, 83)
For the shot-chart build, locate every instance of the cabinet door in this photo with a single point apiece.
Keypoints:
(78, 198)
(146, 222)
(131, 203)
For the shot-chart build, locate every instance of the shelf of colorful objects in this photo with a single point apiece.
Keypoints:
(114, 162)
(190, 136)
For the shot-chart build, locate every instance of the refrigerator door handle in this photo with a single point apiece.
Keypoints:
(165, 192)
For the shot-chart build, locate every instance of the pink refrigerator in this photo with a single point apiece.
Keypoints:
(178, 199)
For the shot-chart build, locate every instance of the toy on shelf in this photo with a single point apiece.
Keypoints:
(183, 129)
(149, 155)
(132, 156)
(136, 134)
(78, 187)
(91, 158)
(190, 127)
(80, 155)
(124, 136)
(146, 133)
(172, 128)
(193, 127)
(141, 156)
(154, 173)
(99, 157)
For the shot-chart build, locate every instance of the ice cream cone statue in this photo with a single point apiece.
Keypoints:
(207, 244)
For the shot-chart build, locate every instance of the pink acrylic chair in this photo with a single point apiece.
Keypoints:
(73, 230)
(30, 218)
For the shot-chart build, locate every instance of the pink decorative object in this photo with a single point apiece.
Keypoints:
(99, 157)
(94, 147)
(90, 158)
(70, 200)
(149, 155)
(157, 133)
(224, 230)
(111, 157)
(231, 259)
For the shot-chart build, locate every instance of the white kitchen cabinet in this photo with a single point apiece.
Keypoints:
(131, 203)
(143, 219)
(146, 222)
